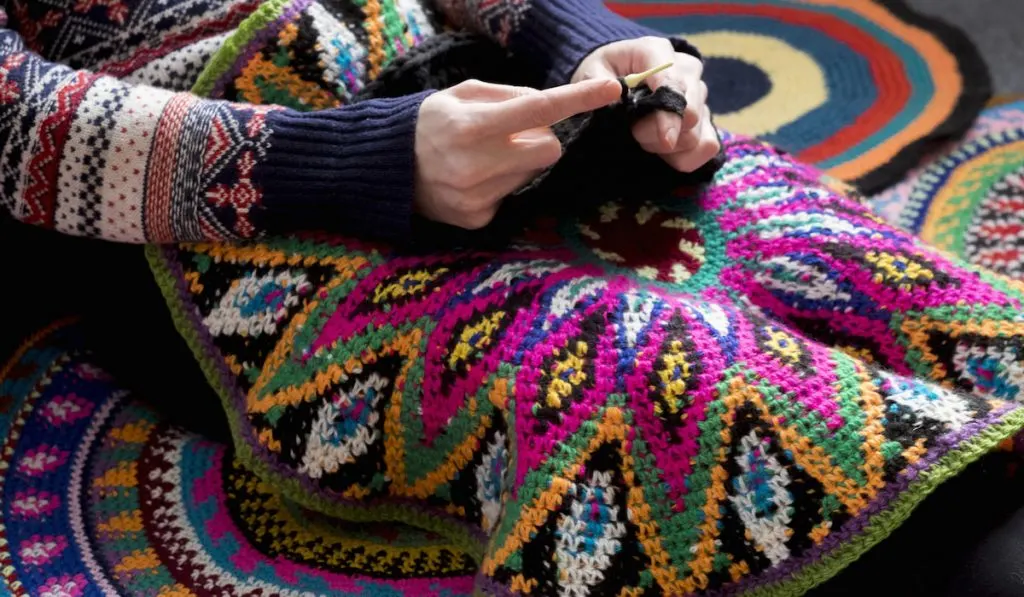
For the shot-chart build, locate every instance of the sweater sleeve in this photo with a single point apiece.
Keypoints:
(556, 35)
(91, 155)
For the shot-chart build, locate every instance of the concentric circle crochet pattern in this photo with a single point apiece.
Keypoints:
(100, 497)
(969, 199)
(850, 86)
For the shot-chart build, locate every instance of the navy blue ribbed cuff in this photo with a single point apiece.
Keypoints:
(349, 170)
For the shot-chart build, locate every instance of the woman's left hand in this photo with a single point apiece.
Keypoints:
(686, 143)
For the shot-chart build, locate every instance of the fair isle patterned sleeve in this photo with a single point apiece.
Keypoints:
(555, 34)
(93, 155)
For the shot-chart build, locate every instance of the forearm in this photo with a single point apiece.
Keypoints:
(93, 156)
(556, 35)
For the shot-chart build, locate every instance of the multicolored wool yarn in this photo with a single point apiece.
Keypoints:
(725, 391)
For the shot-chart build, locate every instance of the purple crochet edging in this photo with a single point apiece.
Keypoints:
(856, 526)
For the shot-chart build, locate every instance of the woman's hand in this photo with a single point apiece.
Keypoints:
(476, 143)
(686, 143)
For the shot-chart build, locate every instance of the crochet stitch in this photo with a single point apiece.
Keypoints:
(965, 199)
(729, 402)
(732, 389)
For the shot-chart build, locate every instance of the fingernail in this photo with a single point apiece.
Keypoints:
(671, 136)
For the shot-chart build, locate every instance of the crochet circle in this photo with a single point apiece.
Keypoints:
(851, 86)
(970, 202)
(664, 244)
(102, 497)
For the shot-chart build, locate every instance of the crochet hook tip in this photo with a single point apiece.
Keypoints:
(637, 78)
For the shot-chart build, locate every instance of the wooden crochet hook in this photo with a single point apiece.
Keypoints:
(633, 81)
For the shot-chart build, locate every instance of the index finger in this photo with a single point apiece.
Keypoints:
(545, 108)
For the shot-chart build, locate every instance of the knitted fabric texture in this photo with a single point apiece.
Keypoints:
(112, 151)
(734, 387)
(103, 497)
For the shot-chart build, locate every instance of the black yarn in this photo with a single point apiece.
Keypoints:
(601, 160)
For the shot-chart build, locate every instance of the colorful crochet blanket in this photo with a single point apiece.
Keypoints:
(731, 389)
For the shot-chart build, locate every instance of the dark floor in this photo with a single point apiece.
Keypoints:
(995, 27)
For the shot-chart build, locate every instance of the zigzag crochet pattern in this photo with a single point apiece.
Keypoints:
(733, 388)
(737, 391)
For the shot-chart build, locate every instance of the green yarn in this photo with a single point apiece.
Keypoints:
(225, 57)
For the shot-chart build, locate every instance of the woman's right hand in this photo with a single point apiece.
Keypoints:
(476, 143)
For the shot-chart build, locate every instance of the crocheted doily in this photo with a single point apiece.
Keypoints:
(968, 199)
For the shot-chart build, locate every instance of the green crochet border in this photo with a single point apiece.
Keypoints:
(878, 528)
(224, 58)
(881, 525)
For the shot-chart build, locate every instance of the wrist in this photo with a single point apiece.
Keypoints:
(561, 34)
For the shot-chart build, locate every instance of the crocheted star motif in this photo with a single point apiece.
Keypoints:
(610, 433)
(654, 243)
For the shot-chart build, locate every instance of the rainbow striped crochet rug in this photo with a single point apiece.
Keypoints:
(857, 88)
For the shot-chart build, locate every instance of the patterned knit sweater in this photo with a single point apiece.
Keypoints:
(100, 135)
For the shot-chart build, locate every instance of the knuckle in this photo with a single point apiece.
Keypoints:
(696, 66)
(461, 173)
(470, 85)
(654, 40)
(520, 91)
(462, 126)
